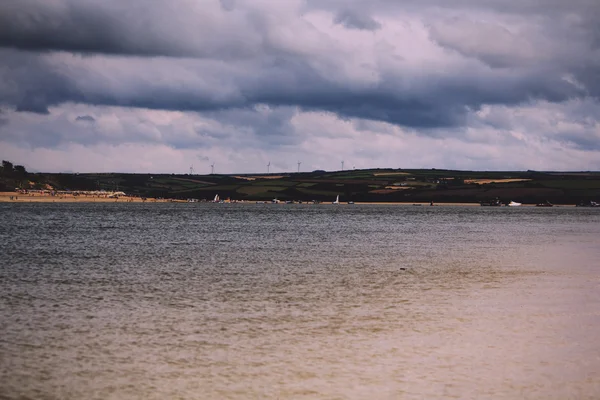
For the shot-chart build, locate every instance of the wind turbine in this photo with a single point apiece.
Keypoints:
(192, 169)
(342, 165)
(212, 168)
(299, 166)
(268, 166)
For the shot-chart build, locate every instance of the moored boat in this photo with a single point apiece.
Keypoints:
(544, 204)
(491, 203)
(588, 204)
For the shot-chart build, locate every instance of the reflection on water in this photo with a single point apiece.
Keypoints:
(207, 301)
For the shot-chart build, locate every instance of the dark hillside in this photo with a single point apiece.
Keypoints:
(371, 185)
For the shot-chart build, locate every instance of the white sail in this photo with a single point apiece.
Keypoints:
(337, 200)
(216, 199)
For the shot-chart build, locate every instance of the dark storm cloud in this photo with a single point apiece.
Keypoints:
(30, 85)
(224, 55)
(439, 101)
(356, 20)
(33, 106)
(135, 27)
(71, 26)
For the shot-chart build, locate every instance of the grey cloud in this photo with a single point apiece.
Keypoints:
(34, 106)
(239, 129)
(227, 5)
(86, 118)
(31, 85)
(3, 120)
(262, 68)
(140, 130)
(271, 127)
(580, 140)
(50, 132)
(82, 27)
(367, 125)
(356, 20)
(439, 100)
(572, 123)
(227, 29)
(521, 7)
(589, 76)
(135, 27)
(491, 43)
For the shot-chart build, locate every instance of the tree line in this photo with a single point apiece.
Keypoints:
(10, 170)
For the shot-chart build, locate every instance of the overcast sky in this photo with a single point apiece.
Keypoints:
(159, 86)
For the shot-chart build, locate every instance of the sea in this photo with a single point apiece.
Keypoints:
(298, 301)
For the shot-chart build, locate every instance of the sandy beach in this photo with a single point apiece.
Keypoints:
(15, 197)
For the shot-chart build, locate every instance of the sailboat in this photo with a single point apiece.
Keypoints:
(337, 200)
(216, 199)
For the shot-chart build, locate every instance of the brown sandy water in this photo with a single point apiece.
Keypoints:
(232, 301)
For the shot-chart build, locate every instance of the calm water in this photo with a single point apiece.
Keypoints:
(229, 301)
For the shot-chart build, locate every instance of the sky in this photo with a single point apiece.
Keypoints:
(165, 86)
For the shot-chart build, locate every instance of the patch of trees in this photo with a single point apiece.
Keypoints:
(10, 170)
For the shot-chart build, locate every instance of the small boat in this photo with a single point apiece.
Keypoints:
(216, 199)
(514, 204)
(491, 203)
(350, 202)
(588, 204)
(337, 200)
(544, 204)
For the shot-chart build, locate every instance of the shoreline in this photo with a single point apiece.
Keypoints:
(15, 197)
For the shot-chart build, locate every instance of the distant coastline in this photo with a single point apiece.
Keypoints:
(381, 186)
(16, 197)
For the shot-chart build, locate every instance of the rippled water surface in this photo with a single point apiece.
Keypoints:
(231, 301)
